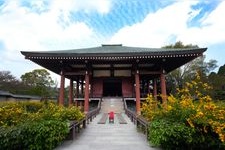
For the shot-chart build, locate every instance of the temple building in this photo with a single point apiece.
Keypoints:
(113, 70)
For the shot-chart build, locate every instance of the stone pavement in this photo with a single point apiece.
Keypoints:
(108, 137)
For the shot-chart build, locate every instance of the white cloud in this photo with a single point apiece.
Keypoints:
(23, 29)
(212, 30)
(22, 25)
(30, 31)
(157, 28)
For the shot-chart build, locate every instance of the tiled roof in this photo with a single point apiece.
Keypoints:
(113, 49)
(8, 94)
(113, 54)
(5, 93)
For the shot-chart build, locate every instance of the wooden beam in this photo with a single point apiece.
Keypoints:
(75, 73)
(143, 72)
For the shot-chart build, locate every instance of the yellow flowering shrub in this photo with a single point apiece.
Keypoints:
(150, 108)
(53, 110)
(193, 107)
(28, 125)
(12, 113)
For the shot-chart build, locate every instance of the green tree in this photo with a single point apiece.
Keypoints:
(187, 72)
(10, 83)
(40, 82)
(218, 84)
(221, 70)
(179, 44)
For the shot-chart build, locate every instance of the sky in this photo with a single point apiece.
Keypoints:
(38, 25)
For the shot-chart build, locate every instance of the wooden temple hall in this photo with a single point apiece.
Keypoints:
(113, 70)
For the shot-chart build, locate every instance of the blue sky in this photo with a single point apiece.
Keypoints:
(30, 25)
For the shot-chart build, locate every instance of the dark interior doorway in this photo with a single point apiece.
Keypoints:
(112, 87)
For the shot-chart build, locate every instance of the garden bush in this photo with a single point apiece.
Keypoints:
(54, 111)
(189, 120)
(32, 107)
(11, 113)
(42, 134)
(170, 134)
(35, 125)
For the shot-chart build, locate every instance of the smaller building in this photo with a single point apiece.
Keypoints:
(7, 96)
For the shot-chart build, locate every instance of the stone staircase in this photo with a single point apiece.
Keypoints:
(112, 104)
(109, 136)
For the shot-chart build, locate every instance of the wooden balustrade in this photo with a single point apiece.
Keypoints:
(77, 126)
(138, 120)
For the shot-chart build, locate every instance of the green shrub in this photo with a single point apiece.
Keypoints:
(54, 111)
(72, 113)
(189, 120)
(32, 106)
(170, 134)
(11, 114)
(42, 134)
(10, 138)
(45, 134)
(34, 125)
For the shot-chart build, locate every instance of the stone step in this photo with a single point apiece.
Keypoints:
(112, 104)
(121, 119)
(103, 118)
(110, 136)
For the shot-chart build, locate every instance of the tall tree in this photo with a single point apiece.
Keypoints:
(180, 44)
(8, 82)
(39, 81)
(187, 72)
(221, 70)
(6, 76)
(217, 81)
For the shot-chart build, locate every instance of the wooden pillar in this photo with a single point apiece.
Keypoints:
(163, 87)
(86, 93)
(77, 91)
(61, 91)
(137, 92)
(71, 93)
(155, 88)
